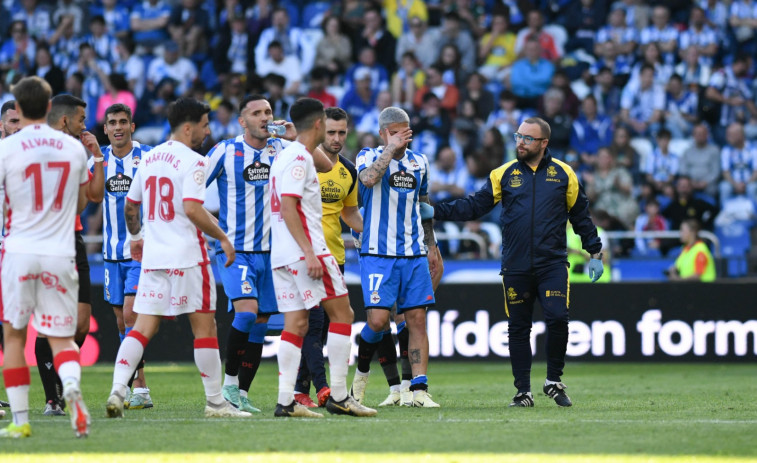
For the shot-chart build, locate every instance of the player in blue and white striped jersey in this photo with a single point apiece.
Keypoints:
(398, 251)
(241, 168)
(119, 162)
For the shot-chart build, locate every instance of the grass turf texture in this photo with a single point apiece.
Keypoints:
(622, 412)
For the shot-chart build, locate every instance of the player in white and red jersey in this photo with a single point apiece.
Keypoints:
(304, 271)
(176, 276)
(44, 173)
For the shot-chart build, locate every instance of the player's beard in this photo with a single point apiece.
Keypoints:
(528, 155)
(328, 149)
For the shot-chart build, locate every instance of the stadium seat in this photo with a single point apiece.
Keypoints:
(559, 34)
(451, 236)
(313, 14)
(735, 243)
(680, 145)
(495, 238)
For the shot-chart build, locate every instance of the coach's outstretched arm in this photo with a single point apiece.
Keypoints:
(472, 206)
(201, 219)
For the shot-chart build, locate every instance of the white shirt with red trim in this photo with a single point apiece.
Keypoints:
(293, 174)
(41, 170)
(167, 176)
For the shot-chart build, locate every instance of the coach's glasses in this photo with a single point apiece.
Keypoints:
(527, 139)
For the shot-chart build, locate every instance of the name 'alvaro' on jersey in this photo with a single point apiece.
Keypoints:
(391, 218)
(242, 173)
(119, 173)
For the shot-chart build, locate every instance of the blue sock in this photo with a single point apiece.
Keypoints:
(257, 333)
(127, 330)
(400, 327)
(244, 321)
(420, 382)
(369, 343)
(122, 336)
(371, 336)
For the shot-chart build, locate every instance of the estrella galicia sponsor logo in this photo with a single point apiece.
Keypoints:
(257, 173)
(331, 191)
(402, 181)
(118, 185)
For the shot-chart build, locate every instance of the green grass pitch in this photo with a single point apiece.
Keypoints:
(622, 412)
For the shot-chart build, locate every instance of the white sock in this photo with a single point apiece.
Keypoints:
(18, 396)
(129, 354)
(230, 380)
(290, 352)
(141, 390)
(405, 385)
(548, 382)
(68, 368)
(394, 388)
(360, 373)
(242, 393)
(208, 361)
(339, 347)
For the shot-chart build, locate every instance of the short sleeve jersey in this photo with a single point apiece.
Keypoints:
(338, 190)
(391, 220)
(293, 174)
(42, 170)
(167, 176)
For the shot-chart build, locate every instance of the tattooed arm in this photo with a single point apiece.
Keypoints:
(134, 225)
(397, 141)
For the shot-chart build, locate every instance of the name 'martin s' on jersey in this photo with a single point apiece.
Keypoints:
(168, 175)
(42, 170)
(242, 173)
(119, 174)
(391, 214)
(293, 174)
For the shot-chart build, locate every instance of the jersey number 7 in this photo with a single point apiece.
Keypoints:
(34, 171)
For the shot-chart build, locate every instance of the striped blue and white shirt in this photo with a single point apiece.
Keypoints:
(242, 173)
(740, 163)
(391, 219)
(119, 173)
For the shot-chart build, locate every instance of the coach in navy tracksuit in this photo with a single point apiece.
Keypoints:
(538, 195)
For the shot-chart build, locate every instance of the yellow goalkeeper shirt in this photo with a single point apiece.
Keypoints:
(338, 190)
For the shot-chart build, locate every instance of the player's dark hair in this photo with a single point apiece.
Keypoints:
(64, 105)
(32, 95)
(546, 131)
(304, 112)
(336, 114)
(693, 224)
(118, 108)
(248, 98)
(8, 105)
(186, 110)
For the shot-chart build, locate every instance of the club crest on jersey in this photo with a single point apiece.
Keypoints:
(246, 287)
(342, 173)
(403, 182)
(298, 172)
(135, 160)
(516, 181)
(331, 191)
(375, 298)
(118, 185)
(257, 173)
(413, 164)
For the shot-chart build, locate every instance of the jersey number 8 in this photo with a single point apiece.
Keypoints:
(161, 187)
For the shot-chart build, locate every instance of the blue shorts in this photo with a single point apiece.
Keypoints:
(387, 280)
(249, 277)
(121, 279)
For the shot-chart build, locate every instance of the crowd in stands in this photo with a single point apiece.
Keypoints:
(651, 102)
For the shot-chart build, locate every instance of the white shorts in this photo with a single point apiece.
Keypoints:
(295, 290)
(44, 286)
(172, 292)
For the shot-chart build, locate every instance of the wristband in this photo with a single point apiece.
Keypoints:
(136, 237)
(100, 159)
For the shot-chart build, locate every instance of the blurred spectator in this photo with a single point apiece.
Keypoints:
(492, 151)
(642, 103)
(361, 98)
(75, 84)
(173, 66)
(406, 81)
(399, 14)
(64, 44)
(636, 13)
(701, 162)
(223, 124)
(431, 126)
(448, 94)
(367, 61)
(582, 20)
(686, 206)
(571, 103)
(319, 81)
(610, 188)
(472, 14)
(369, 121)
(699, 36)
(259, 18)
(448, 182)
(691, 69)
(71, 9)
(95, 72)
(625, 155)
(535, 30)
(517, 10)
(590, 132)
(452, 32)
(560, 122)
(507, 117)
(102, 42)
(607, 94)
(421, 41)
(293, 42)
(334, 50)
(463, 139)
(739, 165)
(36, 17)
(5, 95)
(650, 220)
(450, 64)
(116, 17)
(189, 26)
(374, 35)
(116, 91)
(618, 64)
(743, 21)
(695, 263)
(232, 90)
(368, 140)
(45, 68)
(18, 53)
(287, 66)
(481, 98)
(273, 84)
(680, 108)
(618, 32)
(662, 34)
(497, 49)
(234, 49)
(531, 75)
(131, 66)
(716, 13)
(651, 56)
(730, 88)
(149, 22)
(662, 166)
